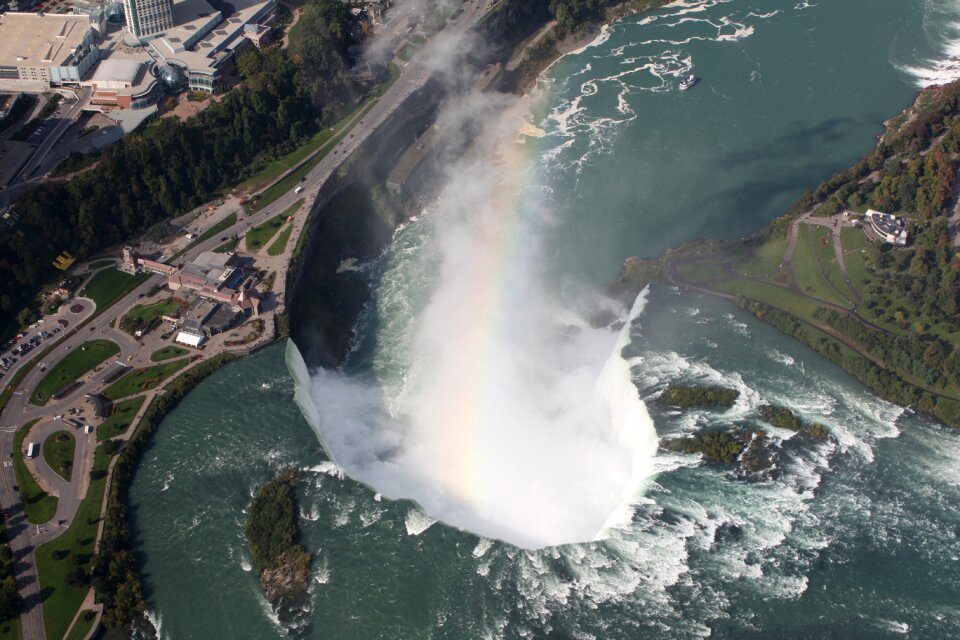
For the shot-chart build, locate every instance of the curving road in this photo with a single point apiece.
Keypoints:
(24, 538)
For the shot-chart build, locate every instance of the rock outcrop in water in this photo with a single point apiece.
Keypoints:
(709, 396)
(272, 532)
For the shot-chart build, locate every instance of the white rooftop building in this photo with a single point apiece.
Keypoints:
(47, 49)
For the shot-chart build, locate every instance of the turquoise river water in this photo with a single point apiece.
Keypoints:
(484, 466)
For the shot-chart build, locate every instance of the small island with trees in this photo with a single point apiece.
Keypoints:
(687, 396)
(272, 531)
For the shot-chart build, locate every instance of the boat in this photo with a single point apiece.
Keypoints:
(688, 82)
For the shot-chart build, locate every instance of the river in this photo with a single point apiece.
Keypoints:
(495, 470)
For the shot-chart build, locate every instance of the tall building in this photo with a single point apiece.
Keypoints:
(148, 17)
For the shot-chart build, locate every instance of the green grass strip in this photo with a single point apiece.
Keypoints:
(144, 379)
(168, 352)
(58, 450)
(73, 550)
(109, 285)
(280, 243)
(119, 421)
(78, 363)
(38, 505)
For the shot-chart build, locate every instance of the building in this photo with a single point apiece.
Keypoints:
(204, 40)
(209, 274)
(134, 262)
(889, 228)
(41, 50)
(124, 83)
(146, 18)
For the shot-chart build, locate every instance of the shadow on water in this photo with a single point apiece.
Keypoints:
(327, 304)
(802, 141)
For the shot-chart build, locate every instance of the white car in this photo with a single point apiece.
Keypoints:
(58, 417)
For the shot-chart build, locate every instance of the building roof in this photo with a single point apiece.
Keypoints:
(190, 339)
(205, 53)
(37, 39)
(886, 223)
(117, 70)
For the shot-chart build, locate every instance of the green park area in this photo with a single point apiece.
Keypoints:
(277, 247)
(120, 418)
(38, 505)
(144, 379)
(58, 451)
(261, 234)
(83, 625)
(142, 316)
(109, 285)
(64, 564)
(78, 362)
(168, 352)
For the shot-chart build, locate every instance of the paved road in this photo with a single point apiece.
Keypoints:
(25, 538)
(74, 108)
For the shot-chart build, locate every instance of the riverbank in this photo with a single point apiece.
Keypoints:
(885, 314)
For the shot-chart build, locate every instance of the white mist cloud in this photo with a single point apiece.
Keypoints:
(511, 417)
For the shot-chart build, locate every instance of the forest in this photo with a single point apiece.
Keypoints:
(285, 97)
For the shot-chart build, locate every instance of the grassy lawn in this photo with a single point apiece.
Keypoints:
(774, 296)
(58, 451)
(261, 234)
(702, 272)
(118, 421)
(83, 626)
(55, 559)
(806, 270)
(823, 243)
(77, 363)
(148, 313)
(10, 630)
(766, 258)
(168, 352)
(38, 505)
(852, 239)
(280, 243)
(857, 268)
(144, 379)
(228, 247)
(109, 285)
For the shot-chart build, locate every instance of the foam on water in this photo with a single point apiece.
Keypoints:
(654, 58)
(417, 522)
(941, 22)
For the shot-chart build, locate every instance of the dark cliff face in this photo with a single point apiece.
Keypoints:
(512, 22)
(359, 221)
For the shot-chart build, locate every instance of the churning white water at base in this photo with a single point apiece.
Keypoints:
(569, 484)
(477, 386)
